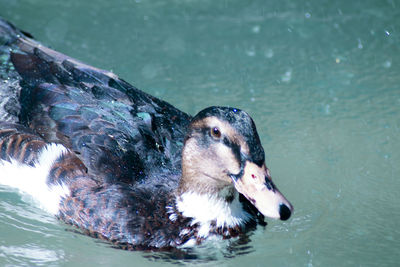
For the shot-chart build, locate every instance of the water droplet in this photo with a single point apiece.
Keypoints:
(287, 76)
(327, 109)
(339, 193)
(360, 46)
(387, 64)
(269, 53)
(251, 52)
(256, 29)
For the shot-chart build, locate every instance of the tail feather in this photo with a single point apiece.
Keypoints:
(32, 179)
(42, 170)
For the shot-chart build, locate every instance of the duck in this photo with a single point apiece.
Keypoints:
(122, 165)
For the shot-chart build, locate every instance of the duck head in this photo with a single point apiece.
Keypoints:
(223, 154)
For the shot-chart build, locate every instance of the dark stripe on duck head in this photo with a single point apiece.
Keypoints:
(243, 159)
(235, 149)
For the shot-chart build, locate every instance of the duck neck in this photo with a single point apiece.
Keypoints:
(208, 201)
(199, 173)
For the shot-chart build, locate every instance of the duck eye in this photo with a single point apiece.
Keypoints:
(215, 132)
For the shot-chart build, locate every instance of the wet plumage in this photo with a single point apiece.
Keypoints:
(133, 164)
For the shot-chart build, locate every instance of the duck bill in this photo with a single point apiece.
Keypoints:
(256, 185)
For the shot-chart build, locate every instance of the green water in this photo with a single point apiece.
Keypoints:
(321, 80)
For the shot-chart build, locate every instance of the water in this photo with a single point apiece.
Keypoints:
(321, 80)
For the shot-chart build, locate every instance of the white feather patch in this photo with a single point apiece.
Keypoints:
(33, 180)
(206, 208)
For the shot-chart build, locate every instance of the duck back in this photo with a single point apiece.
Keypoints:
(119, 132)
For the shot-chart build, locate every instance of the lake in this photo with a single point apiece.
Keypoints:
(321, 80)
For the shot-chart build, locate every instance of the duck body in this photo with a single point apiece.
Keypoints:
(120, 164)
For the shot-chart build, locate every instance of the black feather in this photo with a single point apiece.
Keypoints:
(124, 159)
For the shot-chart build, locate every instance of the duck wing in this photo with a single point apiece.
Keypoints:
(119, 132)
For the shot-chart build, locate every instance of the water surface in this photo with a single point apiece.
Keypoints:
(321, 80)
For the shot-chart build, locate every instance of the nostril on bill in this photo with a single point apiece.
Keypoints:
(284, 212)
